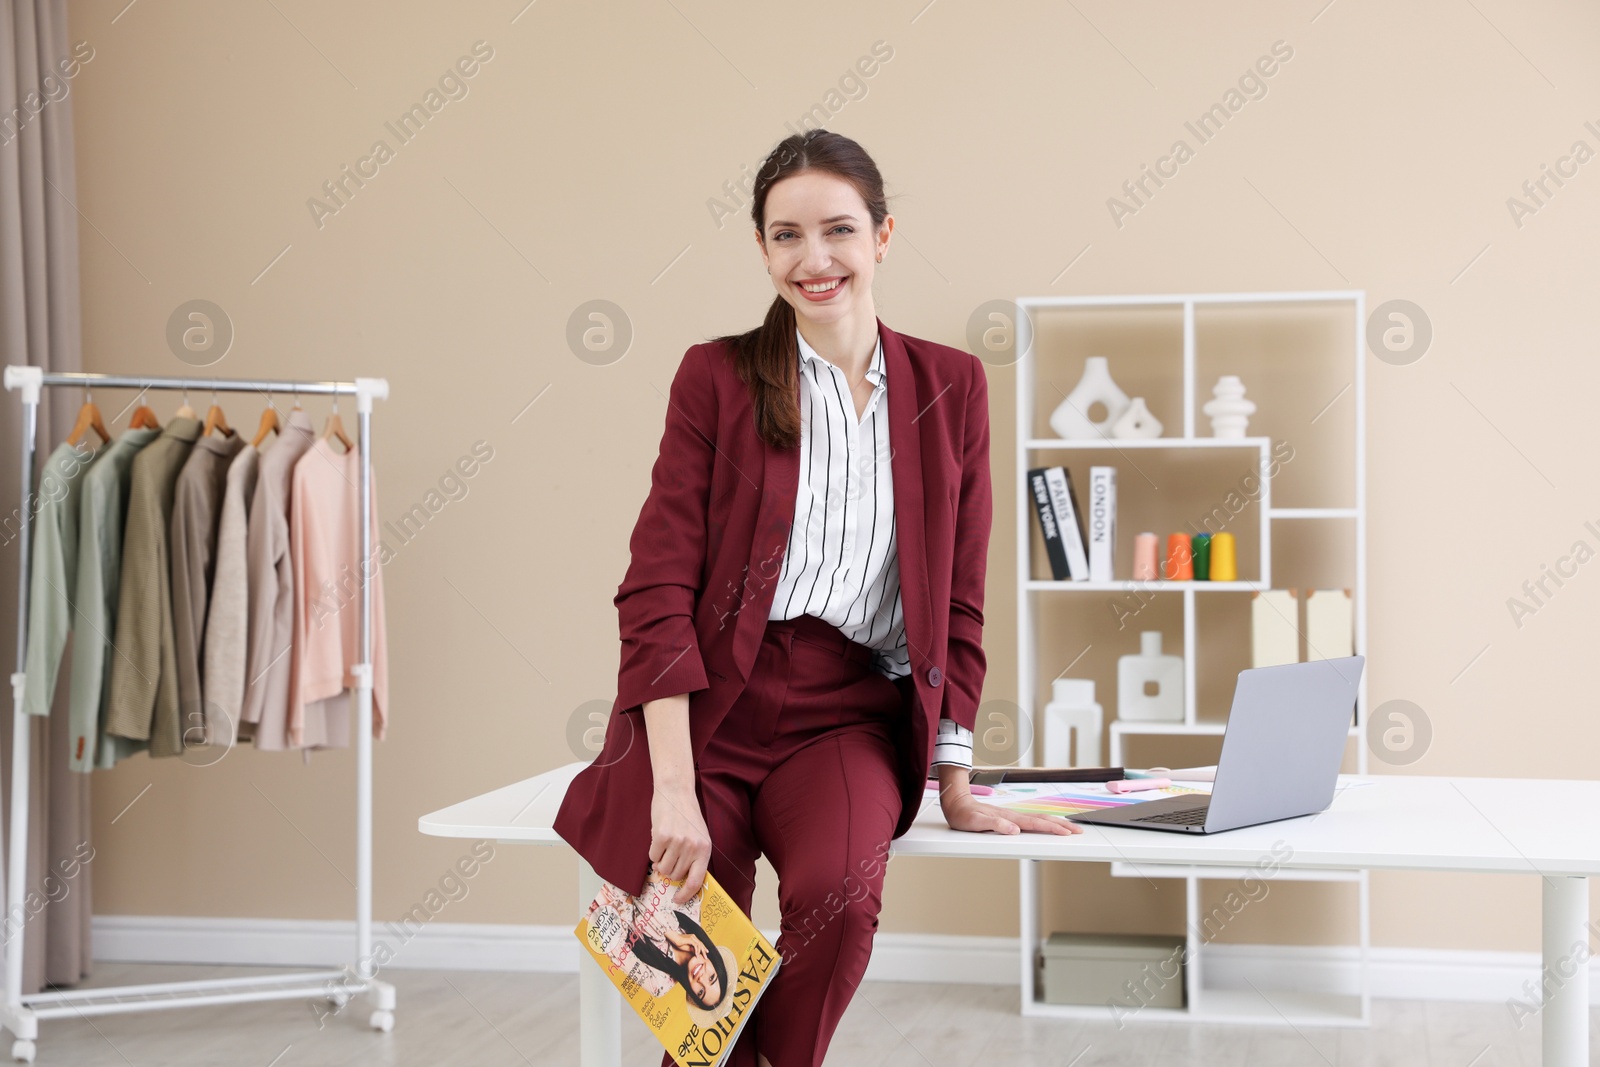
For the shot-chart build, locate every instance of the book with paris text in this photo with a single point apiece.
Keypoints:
(693, 971)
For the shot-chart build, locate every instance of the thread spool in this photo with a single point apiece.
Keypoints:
(1180, 563)
(1224, 558)
(1200, 549)
(1144, 557)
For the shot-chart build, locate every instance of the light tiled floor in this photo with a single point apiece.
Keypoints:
(486, 1020)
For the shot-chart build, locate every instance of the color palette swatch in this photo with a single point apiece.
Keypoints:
(1073, 798)
(1073, 802)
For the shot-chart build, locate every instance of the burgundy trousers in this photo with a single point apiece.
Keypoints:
(802, 769)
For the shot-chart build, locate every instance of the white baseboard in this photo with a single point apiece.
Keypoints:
(1409, 973)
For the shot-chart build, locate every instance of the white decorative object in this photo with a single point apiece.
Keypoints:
(1071, 417)
(1230, 412)
(1330, 624)
(1072, 716)
(1274, 627)
(1137, 422)
(1150, 685)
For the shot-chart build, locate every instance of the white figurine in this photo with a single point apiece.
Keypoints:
(1137, 422)
(1230, 412)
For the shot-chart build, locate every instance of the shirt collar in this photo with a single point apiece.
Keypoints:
(874, 369)
(183, 428)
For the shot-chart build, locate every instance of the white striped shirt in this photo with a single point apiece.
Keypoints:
(841, 563)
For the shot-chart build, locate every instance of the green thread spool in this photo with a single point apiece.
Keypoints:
(1200, 549)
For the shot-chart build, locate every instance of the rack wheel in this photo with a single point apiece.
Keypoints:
(23, 1051)
(380, 1020)
(339, 1000)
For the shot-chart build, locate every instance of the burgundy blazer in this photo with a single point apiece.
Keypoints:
(707, 551)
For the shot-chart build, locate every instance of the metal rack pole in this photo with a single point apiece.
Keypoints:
(364, 708)
(21, 728)
(225, 385)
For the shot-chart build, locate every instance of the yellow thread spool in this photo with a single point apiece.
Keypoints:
(1224, 558)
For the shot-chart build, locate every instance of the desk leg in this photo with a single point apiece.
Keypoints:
(1565, 974)
(599, 1003)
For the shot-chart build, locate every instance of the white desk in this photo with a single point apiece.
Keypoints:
(1471, 825)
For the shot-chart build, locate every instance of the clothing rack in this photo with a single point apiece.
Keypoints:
(21, 1013)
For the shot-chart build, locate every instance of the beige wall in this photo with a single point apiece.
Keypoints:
(579, 166)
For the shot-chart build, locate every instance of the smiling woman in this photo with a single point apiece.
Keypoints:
(802, 616)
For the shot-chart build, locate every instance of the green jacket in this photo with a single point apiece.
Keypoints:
(144, 671)
(102, 512)
(52, 581)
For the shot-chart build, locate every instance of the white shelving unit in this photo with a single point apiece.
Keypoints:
(1295, 1008)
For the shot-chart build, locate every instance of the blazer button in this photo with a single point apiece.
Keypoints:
(934, 676)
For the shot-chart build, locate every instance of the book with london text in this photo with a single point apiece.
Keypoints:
(693, 971)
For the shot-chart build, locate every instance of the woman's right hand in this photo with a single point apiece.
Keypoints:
(680, 844)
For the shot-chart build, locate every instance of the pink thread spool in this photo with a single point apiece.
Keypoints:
(1144, 557)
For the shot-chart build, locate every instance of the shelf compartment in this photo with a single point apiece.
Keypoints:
(1294, 362)
(1185, 489)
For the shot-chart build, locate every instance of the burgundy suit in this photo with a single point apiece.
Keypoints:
(707, 551)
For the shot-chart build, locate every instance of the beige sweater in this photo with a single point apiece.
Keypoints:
(228, 615)
(196, 508)
(271, 588)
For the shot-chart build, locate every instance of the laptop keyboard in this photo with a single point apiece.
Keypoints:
(1186, 817)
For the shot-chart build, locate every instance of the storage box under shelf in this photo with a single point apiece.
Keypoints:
(1131, 969)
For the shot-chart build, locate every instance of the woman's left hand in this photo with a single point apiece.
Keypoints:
(963, 811)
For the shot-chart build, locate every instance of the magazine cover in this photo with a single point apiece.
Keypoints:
(693, 971)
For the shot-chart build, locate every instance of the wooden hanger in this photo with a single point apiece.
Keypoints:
(335, 426)
(269, 423)
(216, 420)
(88, 419)
(184, 412)
(144, 417)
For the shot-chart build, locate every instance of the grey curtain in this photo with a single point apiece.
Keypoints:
(39, 324)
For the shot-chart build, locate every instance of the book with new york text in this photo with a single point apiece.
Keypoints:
(693, 971)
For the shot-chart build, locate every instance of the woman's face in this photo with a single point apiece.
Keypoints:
(692, 953)
(819, 246)
(702, 975)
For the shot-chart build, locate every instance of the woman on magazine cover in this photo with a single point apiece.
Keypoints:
(801, 620)
(658, 950)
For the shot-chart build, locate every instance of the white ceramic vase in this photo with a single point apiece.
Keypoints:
(1230, 412)
(1072, 724)
(1150, 683)
(1071, 417)
(1136, 422)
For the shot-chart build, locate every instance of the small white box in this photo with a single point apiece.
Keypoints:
(1126, 970)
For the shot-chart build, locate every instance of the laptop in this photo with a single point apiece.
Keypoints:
(1280, 754)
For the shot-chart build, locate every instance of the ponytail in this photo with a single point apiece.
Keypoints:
(768, 361)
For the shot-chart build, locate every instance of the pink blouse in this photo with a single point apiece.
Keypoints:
(325, 544)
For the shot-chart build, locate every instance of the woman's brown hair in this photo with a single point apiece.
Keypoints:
(767, 357)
